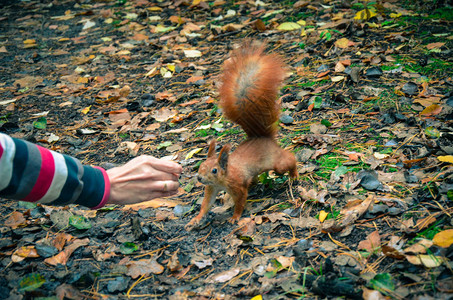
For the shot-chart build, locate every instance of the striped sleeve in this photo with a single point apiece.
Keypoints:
(35, 174)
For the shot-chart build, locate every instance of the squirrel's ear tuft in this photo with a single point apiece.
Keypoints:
(223, 156)
(211, 151)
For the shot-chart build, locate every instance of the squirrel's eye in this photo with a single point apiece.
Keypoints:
(214, 171)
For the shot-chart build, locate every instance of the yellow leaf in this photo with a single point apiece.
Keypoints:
(29, 41)
(288, 26)
(343, 43)
(194, 151)
(365, 14)
(195, 2)
(444, 238)
(86, 110)
(446, 158)
(393, 15)
(171, 67)
(155, 8)
(257, 297)
(301, 22)
(322, 216)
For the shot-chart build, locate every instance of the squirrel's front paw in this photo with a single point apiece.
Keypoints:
(192, 224)
(233, 220)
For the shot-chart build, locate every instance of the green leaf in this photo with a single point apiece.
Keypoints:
(383, 283)
(326, 123)
(31, 282)
(245, 238)
(41, 123)
(432, 132)
(450, 195)
(341, 170)
(128, 248)
(164, 145)
(79, 222)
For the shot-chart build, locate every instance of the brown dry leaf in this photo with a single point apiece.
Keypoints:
(201, 261)
(165, 95)
(372, 295)
(431, 110)
(274, 217)
(392, 252)
(119, 115)
(425, 222)
(223, 276)
(372, 242)
(232, 27)
(15, 220)
(23, 253)
(134, 124)
(344, 43)
(259, 25)
(173, 262)
(155, 203)
(193, 79)
(67, 291)
(285, 261)
(163, 114)
(143, 267)
(420, 247)
(246, 226)
(339, 67)
(429, 261)
(140, 37)
(354, 212)
(444, 238)
(434, 45)
(61, 239)
(28, 81)
(177, 20)
(63, 256)
(427, 101)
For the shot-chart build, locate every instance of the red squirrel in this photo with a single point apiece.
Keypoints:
(248, 96)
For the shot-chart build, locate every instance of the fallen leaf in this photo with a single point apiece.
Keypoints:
(446, 158)
(322, 215)
(223, 276)
(429, 261)
(163, 114)
(431, 110)
(192, 53)
(63, 256)
(15, 220)
(143, 267)
(288, 26)
(444, 238)
(435, 45)
(372, 242)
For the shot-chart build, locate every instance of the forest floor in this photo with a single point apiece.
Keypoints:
(367, 109)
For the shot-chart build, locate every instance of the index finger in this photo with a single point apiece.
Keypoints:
(166, 166)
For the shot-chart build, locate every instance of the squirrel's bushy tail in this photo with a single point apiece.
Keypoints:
(249, 88)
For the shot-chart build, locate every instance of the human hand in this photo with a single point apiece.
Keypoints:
(143, 178)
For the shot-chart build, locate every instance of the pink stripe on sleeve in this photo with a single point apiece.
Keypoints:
(45, 176)
(1, 150)
(106, 189)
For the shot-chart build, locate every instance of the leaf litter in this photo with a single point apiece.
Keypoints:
(368, 112)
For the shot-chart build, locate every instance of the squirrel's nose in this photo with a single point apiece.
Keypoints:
(200, 178)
